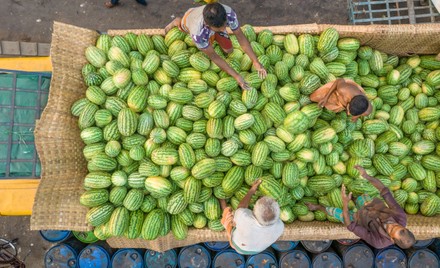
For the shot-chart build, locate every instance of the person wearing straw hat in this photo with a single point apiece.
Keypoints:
(379, 223)
(343, 94)
(207, 24)
(252, 231)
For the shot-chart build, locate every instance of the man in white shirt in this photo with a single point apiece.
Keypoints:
(251, 232)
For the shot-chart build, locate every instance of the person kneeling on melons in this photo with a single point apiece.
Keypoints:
(343, 94)
(252, 231)
(380, 223)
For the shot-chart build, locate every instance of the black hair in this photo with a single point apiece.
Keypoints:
(358, 105)
(214, 15)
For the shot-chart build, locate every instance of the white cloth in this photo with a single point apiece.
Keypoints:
(250, 236)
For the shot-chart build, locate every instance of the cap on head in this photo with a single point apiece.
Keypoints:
(358, 105)
(214, 15)
(404, 238)
(266, 211)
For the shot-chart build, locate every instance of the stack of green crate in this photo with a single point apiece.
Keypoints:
(23, 97)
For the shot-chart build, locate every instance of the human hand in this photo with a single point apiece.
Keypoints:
(262, 73)
(362, 171)
(242, 83)
(345, 198)
(169, 27)
(255, 185)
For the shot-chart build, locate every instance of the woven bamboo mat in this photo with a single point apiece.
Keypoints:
(60, 147)
(401, 40)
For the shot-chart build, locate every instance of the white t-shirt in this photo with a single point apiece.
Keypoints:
(249, 236)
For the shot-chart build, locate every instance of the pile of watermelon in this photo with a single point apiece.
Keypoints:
(167, 133)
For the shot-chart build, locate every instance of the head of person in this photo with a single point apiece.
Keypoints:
(358, 105)
(401, 236)
(266, 211)
(214, 15)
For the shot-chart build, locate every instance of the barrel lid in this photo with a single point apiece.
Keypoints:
(195, 256)
(85, 237)
(423, 243)
(60, 256)
(390, 257)
(93, 256)
(347, 242)
(358, 255)
(316, 246)
(327, 259)
(260, 260)
(228, 258)
(294, 258)
(423, 258)
(216, 246)
(167, 259)
(127, 257)
(55, 235)
(284, 246)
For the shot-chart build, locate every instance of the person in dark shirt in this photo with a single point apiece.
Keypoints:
(379, 223)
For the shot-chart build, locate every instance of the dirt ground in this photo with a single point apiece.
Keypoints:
(24, 20)
(31, 247)
(31, 21)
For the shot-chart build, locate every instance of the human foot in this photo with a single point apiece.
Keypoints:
(110, 5)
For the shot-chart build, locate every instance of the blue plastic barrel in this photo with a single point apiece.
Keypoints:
(55, 236)
(357, 255)
(195, 256)
(94, 256)
(316, 246)
(294, 259)
(128, 258)
(265, 259)
(347, 242)
(435, 246)
(61, 256)
(167, 259)
(326, 260)
(423, 243)
(422, 258)
(217, 246)
(284, 246)
(390, 257)
(228, 258)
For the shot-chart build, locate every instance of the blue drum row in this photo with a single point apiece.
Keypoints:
(284, 254)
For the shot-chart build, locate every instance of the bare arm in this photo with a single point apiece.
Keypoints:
(335, 85)
(244, 203)
(174, 23)
(244, 43)
(225, 66)
(375, 182)
(345, 200)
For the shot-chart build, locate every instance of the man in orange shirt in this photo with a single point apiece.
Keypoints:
(343, 94)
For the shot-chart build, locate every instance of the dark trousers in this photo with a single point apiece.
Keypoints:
(115, 2)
